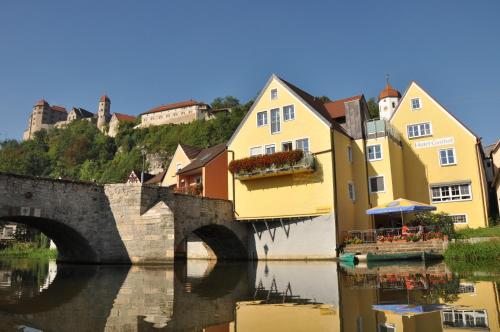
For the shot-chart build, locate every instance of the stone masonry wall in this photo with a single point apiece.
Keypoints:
(435, 246)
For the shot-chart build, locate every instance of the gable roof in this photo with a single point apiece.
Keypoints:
(172, 106)
(312, 103)
(190, 151)
(336, 108)
(437, 103)
(57, 108)
(158, 178)
(124, 117)
(204, 157)
(82, 113)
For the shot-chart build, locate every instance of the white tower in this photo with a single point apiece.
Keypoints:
(388, 100)
(104, 113)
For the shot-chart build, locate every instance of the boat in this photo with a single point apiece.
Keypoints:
(372, 257)
(348, 258)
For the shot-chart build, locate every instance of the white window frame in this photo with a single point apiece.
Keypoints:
(268, 146)
(284, 142)
(266, 122)
(274, 94)
(418, 126)
(178, 167)
(271, 120)
(419, 104)
(294, 144)
(459, 215)
(460, 312)
(256, 147)
(450, 195)
(350, 185)
(375, 154)
(349, 154)
(370, 184)
(454, 157)
(293, 113)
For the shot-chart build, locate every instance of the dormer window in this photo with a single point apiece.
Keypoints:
(416, 104)
(274, 94)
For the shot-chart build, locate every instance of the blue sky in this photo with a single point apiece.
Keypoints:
(146, 53)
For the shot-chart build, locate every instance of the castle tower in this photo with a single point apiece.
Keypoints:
(104, 113)
(388, 100)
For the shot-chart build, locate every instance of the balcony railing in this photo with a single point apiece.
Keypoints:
(194, 189)
(380, 128)
(423, 233)
(305, 165)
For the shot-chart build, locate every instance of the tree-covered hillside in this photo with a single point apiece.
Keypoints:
(81, 152)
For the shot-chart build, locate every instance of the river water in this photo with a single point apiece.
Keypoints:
(37, 295)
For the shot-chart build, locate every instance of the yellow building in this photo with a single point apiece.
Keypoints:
(442, 159)
(301, 205)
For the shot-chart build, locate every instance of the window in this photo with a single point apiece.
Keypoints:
(377, 184)
(454, 192)
(178, 167)
(349, 154)
(286, 146)
(270, 149)
(274, 94)
(415, 104)
(419, 130)
(256, 151)
(351, 191)
(302, 144)
(261, 119)
(447, 157)
(275, 121)
(198, 180)
(288, 113)
(465, 318)
(374, 152)
(459, 218)
(465, 288)
(386, 328)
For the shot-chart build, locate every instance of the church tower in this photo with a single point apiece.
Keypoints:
(104, 113)
(388, 100)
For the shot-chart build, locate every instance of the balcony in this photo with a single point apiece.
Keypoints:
(193, 189)
(381, 128)
(276, 164)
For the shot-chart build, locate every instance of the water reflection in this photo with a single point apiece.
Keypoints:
(257, 296)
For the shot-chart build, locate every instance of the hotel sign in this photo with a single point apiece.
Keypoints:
(435, 142)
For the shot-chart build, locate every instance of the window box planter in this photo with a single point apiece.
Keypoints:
(276, 164)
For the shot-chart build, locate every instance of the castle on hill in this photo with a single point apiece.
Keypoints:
(45, 117)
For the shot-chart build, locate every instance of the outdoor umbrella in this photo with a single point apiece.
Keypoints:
(402, 206)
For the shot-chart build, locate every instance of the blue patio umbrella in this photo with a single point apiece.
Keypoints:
(408, 309)
(400, 205)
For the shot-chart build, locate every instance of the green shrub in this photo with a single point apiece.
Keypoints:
(473, 252)
(441, 221)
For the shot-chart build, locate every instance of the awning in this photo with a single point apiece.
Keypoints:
(400, 205)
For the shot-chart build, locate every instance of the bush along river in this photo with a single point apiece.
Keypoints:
(40, 295)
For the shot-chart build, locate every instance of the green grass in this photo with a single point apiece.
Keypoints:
(468, 233)
(481, 253)
(27, 250)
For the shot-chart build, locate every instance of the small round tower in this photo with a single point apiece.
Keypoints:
(104, 112)
(388, 100)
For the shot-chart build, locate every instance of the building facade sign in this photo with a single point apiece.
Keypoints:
(435, 142)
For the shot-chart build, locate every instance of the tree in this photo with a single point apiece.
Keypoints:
(225, 102)
(373, 108)
(323, 99)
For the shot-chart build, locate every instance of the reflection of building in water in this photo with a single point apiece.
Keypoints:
(51, 275)
(476, 309)
(473, 306)
(5, 279)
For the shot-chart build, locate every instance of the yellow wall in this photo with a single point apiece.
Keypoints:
(252, 316)
(422, 166)
(359, 169)
(288, 195)
(171, 175)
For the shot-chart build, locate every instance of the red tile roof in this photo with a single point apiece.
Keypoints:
(190, 151)
(58, 108)
(104, 98)
(204, 157)
(124, 117)
(42, 102)
(336, 108)
(389, 91)
(158, 178)
(172, 106)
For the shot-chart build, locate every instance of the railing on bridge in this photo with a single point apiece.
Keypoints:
(392, 234)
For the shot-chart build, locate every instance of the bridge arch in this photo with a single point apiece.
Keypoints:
(224, 243)
(71, 245)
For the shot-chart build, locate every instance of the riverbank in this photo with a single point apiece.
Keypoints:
(484, 255)
(26, 250)
(468, 233)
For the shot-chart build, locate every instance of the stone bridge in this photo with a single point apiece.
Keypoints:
(120, 223)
